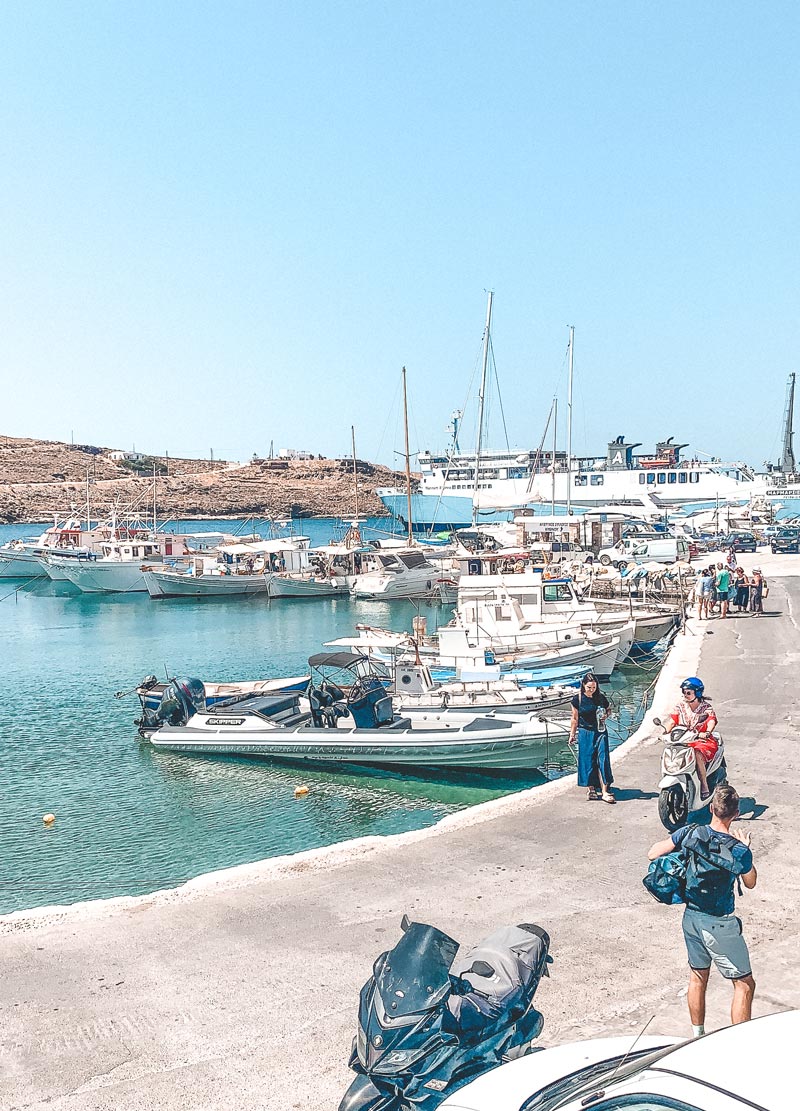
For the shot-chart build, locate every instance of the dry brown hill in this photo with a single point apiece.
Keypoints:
(39, 478)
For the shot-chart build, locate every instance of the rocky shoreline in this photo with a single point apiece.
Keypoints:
(39, 478)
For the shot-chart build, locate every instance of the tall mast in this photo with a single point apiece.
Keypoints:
(154, 498)
(481, 402)
(788, 464)
(553, 461)
(408, 461)
(88, 507)
(569, 420)
(355, 471)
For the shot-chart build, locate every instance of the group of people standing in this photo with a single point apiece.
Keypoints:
(721, 589)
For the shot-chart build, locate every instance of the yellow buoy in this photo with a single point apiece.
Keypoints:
(48, 819)
(300, 792)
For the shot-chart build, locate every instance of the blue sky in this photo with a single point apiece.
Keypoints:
(230, 224)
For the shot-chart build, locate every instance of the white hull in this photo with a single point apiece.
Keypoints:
(399, 586)
(429, 741)
(301, 586)
(97, 577)
(19, 564)
(175, 584)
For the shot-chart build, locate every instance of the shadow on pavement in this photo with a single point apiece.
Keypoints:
(627, 794)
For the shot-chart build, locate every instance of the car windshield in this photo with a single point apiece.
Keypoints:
(587, 1081)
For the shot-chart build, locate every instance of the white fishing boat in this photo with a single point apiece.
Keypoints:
(120, 565)
(485, 689)
(560, 655)
(22, 559)
(238, 569)
(358, 727)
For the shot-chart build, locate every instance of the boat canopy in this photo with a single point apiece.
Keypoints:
(336, 659)
(262, 546)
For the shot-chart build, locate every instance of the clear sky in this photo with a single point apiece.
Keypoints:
(229, 224)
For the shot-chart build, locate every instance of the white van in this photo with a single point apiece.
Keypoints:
(664, 549)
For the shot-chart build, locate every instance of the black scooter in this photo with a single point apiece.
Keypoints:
(428, 1023)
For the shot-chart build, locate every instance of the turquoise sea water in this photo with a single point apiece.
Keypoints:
(130, 820)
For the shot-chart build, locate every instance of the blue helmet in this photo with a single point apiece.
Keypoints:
(693, 684)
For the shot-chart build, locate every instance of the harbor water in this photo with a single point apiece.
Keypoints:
(130, 820)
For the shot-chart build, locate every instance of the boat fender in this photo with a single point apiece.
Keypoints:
(300, 792)
(48, 819)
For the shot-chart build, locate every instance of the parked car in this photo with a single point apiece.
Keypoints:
(742, 542)
(715, 1073)
(787, 540)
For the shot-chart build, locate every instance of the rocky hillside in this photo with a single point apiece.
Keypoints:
(39, 478)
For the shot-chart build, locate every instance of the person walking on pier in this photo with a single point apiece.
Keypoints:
(716, 858)
(758, 592)
(742, 584)
(723, 585)
(589, 712)
(704, 588)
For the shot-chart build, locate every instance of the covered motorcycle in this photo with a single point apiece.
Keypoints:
(428, 1022)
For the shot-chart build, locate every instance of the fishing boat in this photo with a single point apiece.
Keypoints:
(486, 689)
(358, 726)
(22, 559)
(238, 569)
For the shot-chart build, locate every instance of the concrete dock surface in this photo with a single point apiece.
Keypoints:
(240, 990)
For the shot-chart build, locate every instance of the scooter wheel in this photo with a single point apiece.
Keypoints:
(673, 807)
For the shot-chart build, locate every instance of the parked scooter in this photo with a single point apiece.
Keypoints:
(679, 788)
(428, 1023)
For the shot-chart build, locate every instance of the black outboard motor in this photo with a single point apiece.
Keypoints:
(180, 701)
(427, 1024)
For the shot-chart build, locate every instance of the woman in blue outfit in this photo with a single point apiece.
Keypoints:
(589, 713)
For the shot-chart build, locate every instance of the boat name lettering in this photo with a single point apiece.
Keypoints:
(225, 721)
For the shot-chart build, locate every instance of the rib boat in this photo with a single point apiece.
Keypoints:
(355, 726)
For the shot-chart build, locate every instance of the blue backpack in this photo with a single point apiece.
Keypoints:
(698, 873)
(666, 878)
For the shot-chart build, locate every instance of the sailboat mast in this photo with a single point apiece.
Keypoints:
(355, 471)
(788, 465)
(88, 507)
(481, 403)
(553, 461)
(154, 498)
(569, 421)
(408, 460)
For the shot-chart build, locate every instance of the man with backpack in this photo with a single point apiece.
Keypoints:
(713, 860)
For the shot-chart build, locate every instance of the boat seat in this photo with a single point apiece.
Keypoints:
(266, 705)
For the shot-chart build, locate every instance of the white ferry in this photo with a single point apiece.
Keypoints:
(450, 497)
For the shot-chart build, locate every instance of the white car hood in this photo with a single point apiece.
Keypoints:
(506, 1088)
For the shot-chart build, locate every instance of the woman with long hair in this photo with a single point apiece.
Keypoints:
(589, 712)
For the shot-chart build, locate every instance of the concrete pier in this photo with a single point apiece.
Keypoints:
(241, 989)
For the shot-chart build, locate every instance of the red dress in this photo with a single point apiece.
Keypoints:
(684, 715)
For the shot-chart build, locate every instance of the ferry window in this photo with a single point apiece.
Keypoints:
(642, 479)
(682, 476)
(694, 476)
(671, 477)
(651, 480)
(580, 479)
(556, 592)
(662, 478)
(597, 480)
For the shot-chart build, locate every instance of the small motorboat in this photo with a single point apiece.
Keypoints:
(351, 724)
(156, 710)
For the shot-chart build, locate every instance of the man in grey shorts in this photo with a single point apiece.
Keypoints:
(715, 857)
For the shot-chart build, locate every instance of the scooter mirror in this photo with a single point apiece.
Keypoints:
(405, 923)
(656, 721)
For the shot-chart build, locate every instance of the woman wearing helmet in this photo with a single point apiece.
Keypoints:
(697, 714)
